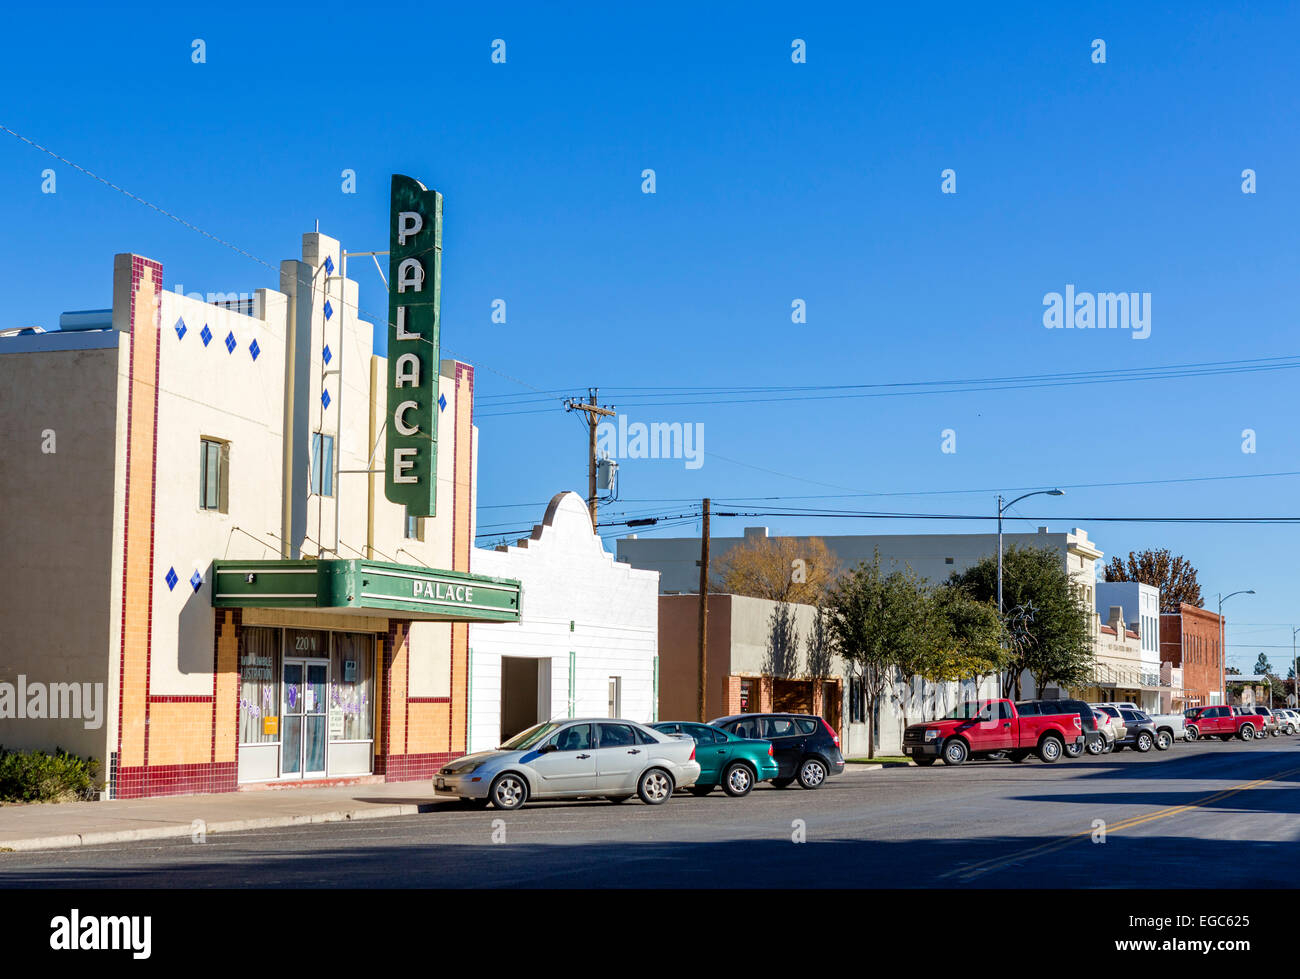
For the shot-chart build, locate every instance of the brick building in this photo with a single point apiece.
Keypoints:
(1190, 641)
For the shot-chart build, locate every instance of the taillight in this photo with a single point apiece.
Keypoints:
(771, 750)
(1078, 722)
(829, 730)
(692, 758)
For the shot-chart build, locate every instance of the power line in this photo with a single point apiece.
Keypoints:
(781, 394)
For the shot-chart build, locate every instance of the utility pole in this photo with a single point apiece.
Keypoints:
(704, 611)
(594, 415)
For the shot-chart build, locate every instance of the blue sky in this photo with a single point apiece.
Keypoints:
(774, 181)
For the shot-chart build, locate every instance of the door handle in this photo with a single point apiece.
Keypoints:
(584, 756)
(634, 751)
(722, 751)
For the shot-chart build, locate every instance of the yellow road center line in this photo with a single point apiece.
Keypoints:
(975, 870)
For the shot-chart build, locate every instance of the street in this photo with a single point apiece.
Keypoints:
(1203, 814)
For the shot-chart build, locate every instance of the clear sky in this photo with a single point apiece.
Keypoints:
(775, 181)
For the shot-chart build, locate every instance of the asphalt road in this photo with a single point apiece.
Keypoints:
(1200, 814)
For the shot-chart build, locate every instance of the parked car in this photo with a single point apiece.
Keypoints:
(1288, 720)
(1094, 738)
(1271, 725)
(576, 758)
(806, 748)
(975, 730)
(1109, 738)
(735, 763)
(1139, 731)
(1117, 720)
(1223, 722)
(1169, 727)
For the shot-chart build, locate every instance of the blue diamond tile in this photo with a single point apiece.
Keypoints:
(230, 342)
(206, 334)
(325, 398)
(442, 402)
(254, 349)
(171, 578)
(180, 329)
(196, 580)
(329, 310)
(326, 354)
(329, 265)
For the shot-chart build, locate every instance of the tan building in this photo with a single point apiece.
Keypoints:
(763, 656)
(204, 586)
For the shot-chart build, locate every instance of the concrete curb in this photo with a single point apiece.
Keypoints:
(229, 826)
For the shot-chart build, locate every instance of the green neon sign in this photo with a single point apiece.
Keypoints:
(414, 295)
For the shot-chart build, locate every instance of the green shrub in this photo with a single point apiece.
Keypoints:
(35, 776)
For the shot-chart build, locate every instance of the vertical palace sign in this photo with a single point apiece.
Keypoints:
(414, 292)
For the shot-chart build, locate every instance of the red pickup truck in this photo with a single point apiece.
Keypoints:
(1224, 722)
(982, 728)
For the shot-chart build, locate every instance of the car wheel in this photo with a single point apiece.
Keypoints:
(783, 783)
(1097, 746)
(508, 791)
(1074, 750)
(812, 773)
(655, 787)
(1247, 733)
(1164, 741)
(1190, 733)
(616, 799)
(1050, 749)
(1290, 729)
(737, 780)
(1145, 742)
(955, 752)
(700, 789)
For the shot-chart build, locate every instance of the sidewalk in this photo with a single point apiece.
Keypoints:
(52, 826)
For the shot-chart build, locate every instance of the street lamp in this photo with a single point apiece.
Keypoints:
(1002, 508)
(1223, 651)
(1295, 669)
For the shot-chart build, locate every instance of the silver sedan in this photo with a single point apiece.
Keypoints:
(582, 757)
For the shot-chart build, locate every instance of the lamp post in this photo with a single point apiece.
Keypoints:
(1002, 508)
(1223, 651)
(1295, 670)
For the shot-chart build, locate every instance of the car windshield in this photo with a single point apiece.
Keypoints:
(531, 736)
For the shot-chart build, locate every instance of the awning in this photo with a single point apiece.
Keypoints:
(371, 587)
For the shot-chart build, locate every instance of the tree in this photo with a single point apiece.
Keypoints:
(876, 621)
(783, 569)
(1263, 666)
(1057, 644)
(1174, 576)
(965, 639)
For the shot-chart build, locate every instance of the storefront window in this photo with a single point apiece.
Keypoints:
(352, 687)
(259, 675)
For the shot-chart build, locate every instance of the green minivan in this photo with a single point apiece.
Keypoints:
(737, 764)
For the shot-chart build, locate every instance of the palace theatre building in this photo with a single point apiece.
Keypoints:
(196, 528)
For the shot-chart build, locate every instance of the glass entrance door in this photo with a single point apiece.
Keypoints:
(303, 709)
